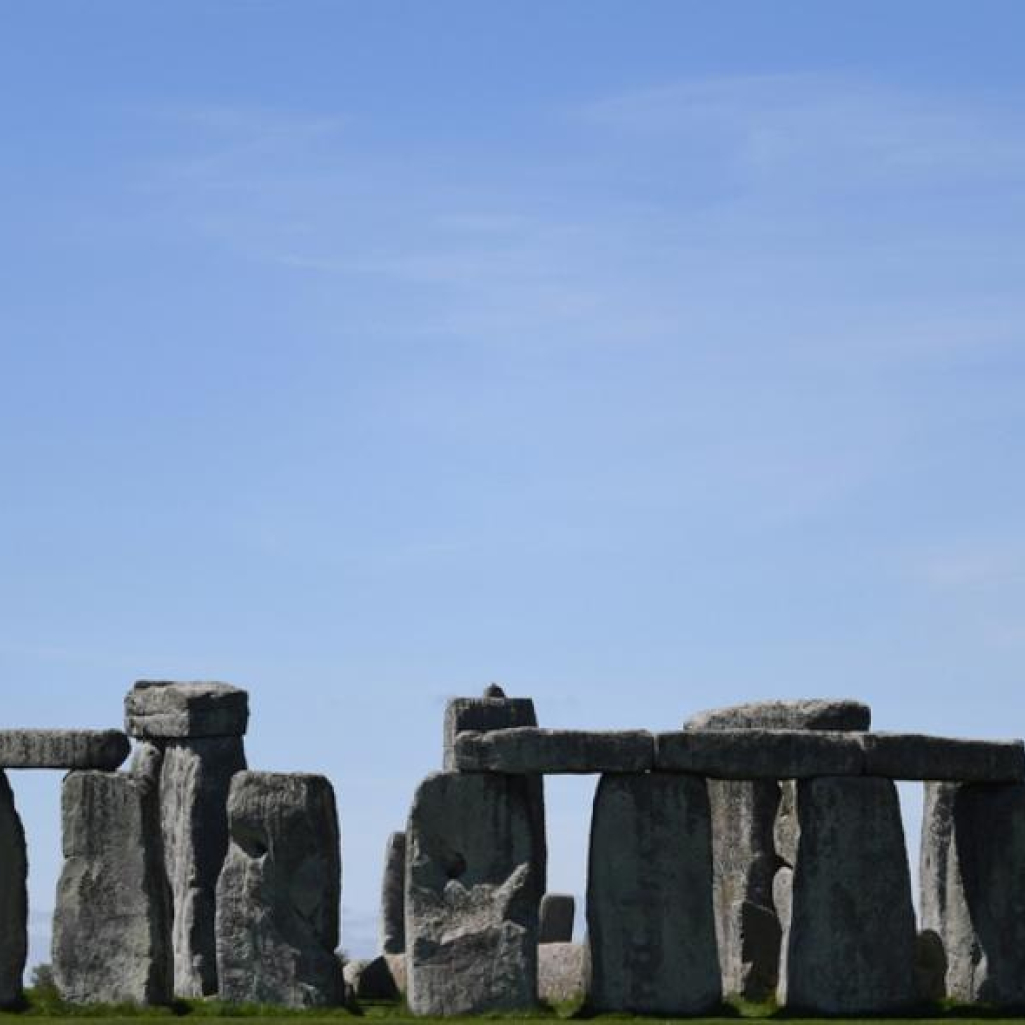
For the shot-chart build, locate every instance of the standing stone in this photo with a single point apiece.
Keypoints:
(110, 932)
(279, 892)
(471, 895)
(393, 896)
(562, 973)
(650, 915)
(557, 913)
(973, 889)
(850, 945)
(13, 898)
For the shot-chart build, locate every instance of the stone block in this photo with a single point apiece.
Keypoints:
(393, 894)
(562, 973)
(63, 749)
(371, 979)
(13, 899)
(800, 714)
(529, 750)
(917, 757)
(557, 913)
(162, 709)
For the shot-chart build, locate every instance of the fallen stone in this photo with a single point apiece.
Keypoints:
(802, 714)
(973, 889)
(194, 784)
(160, 709)
(371, 979)
(527, 750)
(556, 918)
(62, 749)
(393, 891)
(851, 941)
(111, 930)
(759, 754)
(650, 917)
(917, 757)
(13, 899)
(562, 973)
(279, 891)
(471, 899)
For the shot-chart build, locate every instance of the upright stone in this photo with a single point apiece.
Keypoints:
(110, 932)
(850, 944)
(471, 895)
(650, 913)
(973, 889)
(393, 892)
(13, 898)
(198, 727)
(279, 892)
(557, 913)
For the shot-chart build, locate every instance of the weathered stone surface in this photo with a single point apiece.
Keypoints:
(973, 889)
(649, 897)
(801, 714)
(397, 965)
(744, 865)
(279, 891)
(556, 919)
(13, 898)
(917, 757)
(562, 973)
(528, 750)
(371, 979)
(163, 709)
(62, 749)
(471, 900)
(111, 930)
(784, 830)
(850, 945)
(393, 894)
(760, 754)
(194, 785)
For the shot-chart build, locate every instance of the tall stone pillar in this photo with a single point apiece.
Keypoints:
(393, 896)
(199, 729)
(13, 898)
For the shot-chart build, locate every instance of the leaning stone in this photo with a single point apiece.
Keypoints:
(371, 980)
(194, 785)
(163, 709)
(13, 899)
(393, 890)
(917, 757)
(471, 900)
(802, 714)
(556, 919)
(279, 891)
(63, 749)
(973, 889)
(759, 754)
(650, 917)
(562, 973)
(529, 750)
(111, 930)
(850, 945)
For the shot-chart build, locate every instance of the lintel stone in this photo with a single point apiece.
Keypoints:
(160, 709)
(528, 751)
(63, 749)
(912, 756)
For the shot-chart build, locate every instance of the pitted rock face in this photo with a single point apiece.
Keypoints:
(13, 898)
(471, 899)
(160, 709)
(279, 892)
(799, 714)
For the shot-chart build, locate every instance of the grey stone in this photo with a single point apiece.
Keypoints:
(744, 864)
(759, 754)
(851, 942)
(393, 894)
(13, 898)
(784, 830)
(371, 979)
(973, 889)
(528, 750)
(917, 757)
(397, 965)
(650, 917)
(279, 891)
(111, 923)
(930, 967)
(556, 919)
(160, 709)
(62, 749)
(194, 785)
(492, 690)
(562, 973)
(471, 900)
(800, 714)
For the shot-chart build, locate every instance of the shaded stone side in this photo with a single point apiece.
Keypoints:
(850, 943)
(471, 895)
(650, 917)
(973, 889)
(279, 893)
(556, 920)
(13, 898)
(111, 936)
(393, 896)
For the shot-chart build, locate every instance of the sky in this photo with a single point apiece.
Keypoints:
(641, 357)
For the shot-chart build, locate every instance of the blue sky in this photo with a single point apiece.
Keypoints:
(640, 356)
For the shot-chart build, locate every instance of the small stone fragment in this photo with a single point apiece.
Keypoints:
(562, 973)
(13, 899)
(63, 749)
(162, 709)
(393, 893)
(556, 920)
(534, 751)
